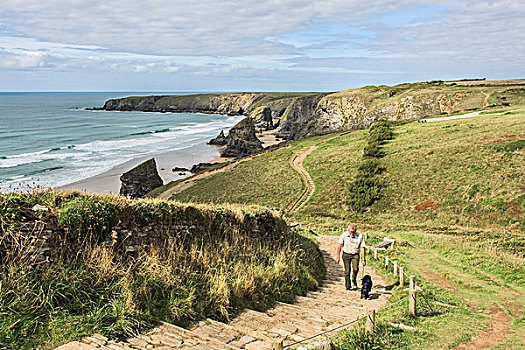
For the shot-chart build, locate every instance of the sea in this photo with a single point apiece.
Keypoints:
(51, 139)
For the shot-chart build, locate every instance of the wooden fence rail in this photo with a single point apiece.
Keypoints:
(397, 270)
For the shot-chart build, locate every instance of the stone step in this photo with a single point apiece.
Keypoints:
(330, 307)
(202, 338)
(242, 337)
(289, 322)
(335, 306)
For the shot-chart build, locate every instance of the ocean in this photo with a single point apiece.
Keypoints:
(50, 139)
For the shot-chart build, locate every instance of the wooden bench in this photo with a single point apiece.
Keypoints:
(387, 243)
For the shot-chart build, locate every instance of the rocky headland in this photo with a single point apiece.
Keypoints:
(298, 115)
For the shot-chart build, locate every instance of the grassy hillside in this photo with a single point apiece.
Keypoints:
(464, 172)
(222, 260)
(456, 172)
(267, 179)
(451, 189)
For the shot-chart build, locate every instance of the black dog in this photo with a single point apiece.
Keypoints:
(366, 288)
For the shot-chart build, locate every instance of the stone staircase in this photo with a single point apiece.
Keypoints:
(329, 307)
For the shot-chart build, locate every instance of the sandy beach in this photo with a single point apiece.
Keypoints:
(109, 181)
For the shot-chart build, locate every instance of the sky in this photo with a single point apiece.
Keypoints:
(255, 45)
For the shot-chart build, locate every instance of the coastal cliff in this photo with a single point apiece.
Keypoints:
(230, 104)
(299, 115)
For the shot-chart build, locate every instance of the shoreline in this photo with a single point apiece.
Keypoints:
(108, 182)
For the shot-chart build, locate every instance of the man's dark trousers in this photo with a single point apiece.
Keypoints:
(351, 260)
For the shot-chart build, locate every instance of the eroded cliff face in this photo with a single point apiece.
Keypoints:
(231, 104)
(315, 115)
(298, 115)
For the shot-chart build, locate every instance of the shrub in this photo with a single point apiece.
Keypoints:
(87, 217)
(378, 124)
(370, 167)
(373, 150)
(381, 135)
(364, 191)
(380, 131)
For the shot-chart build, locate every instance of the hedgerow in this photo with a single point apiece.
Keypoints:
(366, 188)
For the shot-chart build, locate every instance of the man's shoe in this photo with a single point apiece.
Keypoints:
(348, 288)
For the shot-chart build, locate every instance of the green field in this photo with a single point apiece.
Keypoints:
(461, 173)
(454, 201)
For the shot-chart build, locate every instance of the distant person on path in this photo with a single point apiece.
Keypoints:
(351, 241)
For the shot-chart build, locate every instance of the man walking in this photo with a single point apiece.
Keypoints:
(351, 241)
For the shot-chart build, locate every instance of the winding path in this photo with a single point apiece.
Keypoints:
(329, 307)
(296, 162)
(485, 103)
(460, 116)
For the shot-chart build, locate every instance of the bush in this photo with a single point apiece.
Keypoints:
(381, 135)
(380, 131)
(379, 124)
(373, 150)
(364, 191)
(370, 167)
(87, 217)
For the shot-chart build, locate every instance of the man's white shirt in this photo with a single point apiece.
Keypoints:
(351, 244)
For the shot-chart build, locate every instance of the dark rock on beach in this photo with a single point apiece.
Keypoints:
(241, 140)
(140, 180)
(220, 140)
(197, 168)
(175, 169)
(262, 118)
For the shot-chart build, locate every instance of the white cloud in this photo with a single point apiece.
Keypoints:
(24, 59)
(222, 38)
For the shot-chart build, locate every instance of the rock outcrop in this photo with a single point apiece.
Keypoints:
(299, 115)
(262, 118)
(140, 180)
(220, 140)
(230, 104)
(241, 140)
(197, 168)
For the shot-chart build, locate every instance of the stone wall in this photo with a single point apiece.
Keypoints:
(39, 234)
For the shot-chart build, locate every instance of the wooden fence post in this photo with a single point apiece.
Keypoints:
(412, 303)
(375, 254)
(370, 321)
(386, 261)
(395, 268)
(401, 276)
(277, 345)
(412, 296)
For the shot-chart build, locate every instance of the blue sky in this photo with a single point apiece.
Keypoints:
(254, 45)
